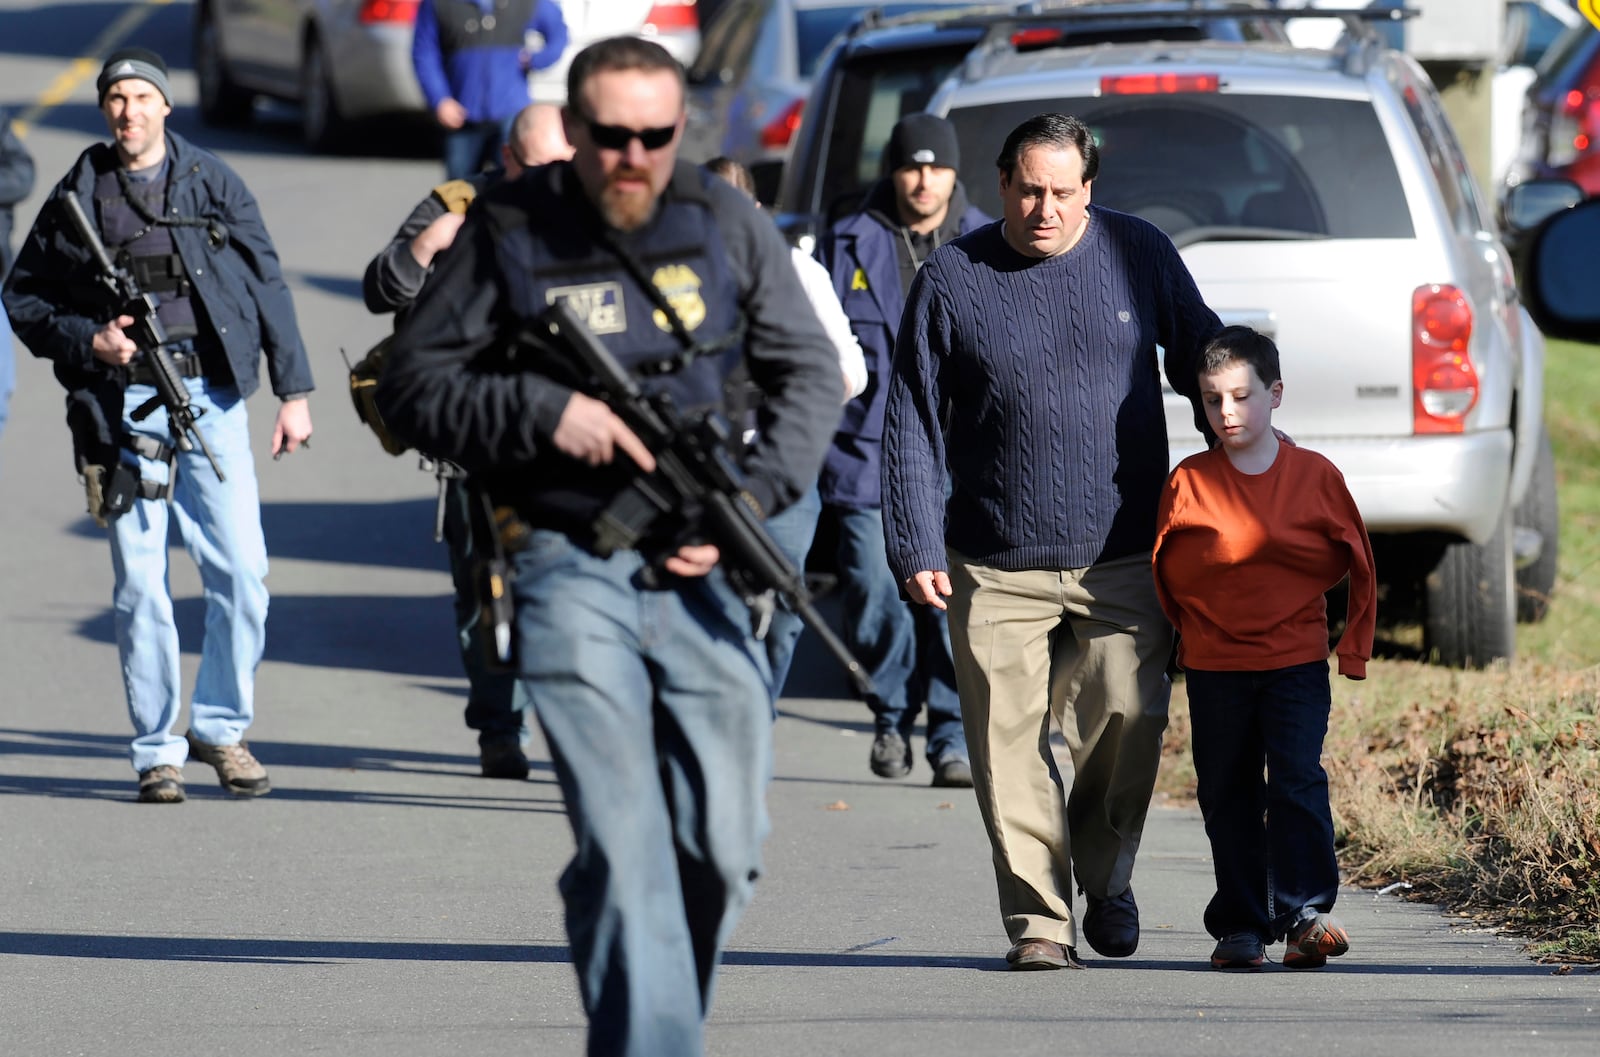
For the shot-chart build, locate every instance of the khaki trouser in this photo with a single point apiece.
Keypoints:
(1089, 647)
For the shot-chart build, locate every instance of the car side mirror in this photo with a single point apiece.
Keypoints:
(1562, 276)
(1527, 205)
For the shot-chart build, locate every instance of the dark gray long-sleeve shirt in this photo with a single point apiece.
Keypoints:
(394, 276)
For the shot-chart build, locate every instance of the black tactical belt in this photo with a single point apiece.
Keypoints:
(139, 372)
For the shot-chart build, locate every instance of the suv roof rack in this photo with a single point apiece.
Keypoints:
(1002, 20)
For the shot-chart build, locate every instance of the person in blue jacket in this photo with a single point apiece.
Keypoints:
(873, 256)
(190, 233)
(472, 61)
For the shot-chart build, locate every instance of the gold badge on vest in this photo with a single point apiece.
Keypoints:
(681, 287)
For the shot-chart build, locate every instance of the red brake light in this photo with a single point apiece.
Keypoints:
(398, 11)
(1038, 37)
(780, 130)
(1444, 382)
(1159, 83)
(671, 16)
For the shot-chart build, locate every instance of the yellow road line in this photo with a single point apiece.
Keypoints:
(88, 64)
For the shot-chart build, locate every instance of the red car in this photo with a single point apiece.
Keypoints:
(1561, 118)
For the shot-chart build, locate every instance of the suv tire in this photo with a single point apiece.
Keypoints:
(1469, 605)
(1537, 512)
(322, 128)
(223, 103)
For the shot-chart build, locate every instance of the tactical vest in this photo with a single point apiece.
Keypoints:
(550, 248)
(466, 24)
(146, 249)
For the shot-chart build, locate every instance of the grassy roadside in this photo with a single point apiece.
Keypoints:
(1481, 790)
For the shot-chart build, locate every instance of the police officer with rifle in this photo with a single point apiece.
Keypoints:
(150, 282)
(633, 641)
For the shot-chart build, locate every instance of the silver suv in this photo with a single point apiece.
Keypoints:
(1321, 196)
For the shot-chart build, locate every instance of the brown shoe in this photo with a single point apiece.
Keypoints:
(162, 784)
(240, 773)
(1042, 954)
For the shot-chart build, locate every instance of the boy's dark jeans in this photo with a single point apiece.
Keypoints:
(1272, 838)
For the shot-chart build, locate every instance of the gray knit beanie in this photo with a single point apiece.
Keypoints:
(134, 62)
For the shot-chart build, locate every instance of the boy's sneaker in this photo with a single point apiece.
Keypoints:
(1314, 941)
(162, 784)
(240, 773)
(1239, 950)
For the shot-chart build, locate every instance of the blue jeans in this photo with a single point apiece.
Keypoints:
(220, 525)
(905, 648)
(497, 708)
(656, 708)
(1269, 873)
(793, 530)
(474, 147)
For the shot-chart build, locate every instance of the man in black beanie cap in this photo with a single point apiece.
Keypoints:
(873, 256)
(187, 230)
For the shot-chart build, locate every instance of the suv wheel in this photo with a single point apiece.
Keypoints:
(1469, 605)
(321, 127)
(1537, 513)
(222, 102)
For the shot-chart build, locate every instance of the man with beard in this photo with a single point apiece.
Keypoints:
(640, 663)
(873, 256)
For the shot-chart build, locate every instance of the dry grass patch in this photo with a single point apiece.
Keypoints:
(1482, 791)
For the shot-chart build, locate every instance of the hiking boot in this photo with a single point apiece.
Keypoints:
(953, 772)
(1239, 950)
(1111, 925)
(240, 773)
(1314, 941)
(162, 784)
(891, 756)
(503, 760)
(1042, 954)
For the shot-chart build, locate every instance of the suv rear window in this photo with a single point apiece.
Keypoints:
(874, 94)
(1238, 166)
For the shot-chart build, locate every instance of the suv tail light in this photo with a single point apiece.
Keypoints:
(1444, 383)
(396, 11)
(1159, 83)
(671, 16)
(780, 130)
(1037, 37)
(1574, 126)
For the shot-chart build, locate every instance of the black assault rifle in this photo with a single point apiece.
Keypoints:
(694, 471)
(148, 333)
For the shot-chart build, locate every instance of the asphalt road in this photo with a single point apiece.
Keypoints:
(386, 900)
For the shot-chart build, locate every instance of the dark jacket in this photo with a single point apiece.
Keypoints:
(456, 56)
(56, 305)
(16, 181)
(449, 389)
(860, 253)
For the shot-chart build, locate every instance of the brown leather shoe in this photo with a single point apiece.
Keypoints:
(1042, 954)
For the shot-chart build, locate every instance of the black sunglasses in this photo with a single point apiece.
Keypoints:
(617, 137)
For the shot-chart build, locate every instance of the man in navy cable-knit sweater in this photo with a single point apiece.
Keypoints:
(1026, 363)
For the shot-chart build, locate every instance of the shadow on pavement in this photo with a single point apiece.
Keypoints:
(398, 634)
(397, 534)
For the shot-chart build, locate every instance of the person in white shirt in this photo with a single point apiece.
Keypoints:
(794, 529)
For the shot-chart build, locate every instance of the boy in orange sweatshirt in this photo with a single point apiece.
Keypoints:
(1249, 536)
